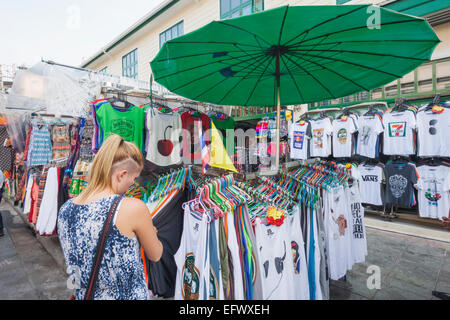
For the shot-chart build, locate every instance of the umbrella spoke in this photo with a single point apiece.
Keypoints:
(312, 76)
(360, 52)
(322, 23)
(206, 53)
(256, 83)
(293, 79)
(202, 65)
(336, 73)
(246, 31)
(352, 63)
(235, 86)
(282, 25)
(207, 75)
(215, 85)
(215, 42)
(345, 30)
(358, 41)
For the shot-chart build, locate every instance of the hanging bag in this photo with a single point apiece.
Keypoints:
(100, 250)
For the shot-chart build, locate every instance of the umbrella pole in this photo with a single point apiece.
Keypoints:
(277, 159)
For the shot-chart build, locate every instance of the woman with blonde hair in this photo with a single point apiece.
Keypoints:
(101, 217)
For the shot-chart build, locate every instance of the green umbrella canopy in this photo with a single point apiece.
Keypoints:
(323, 52)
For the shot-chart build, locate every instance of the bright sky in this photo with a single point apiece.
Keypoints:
(65, 31)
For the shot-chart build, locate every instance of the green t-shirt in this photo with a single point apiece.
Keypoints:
(127, 124)
(222, 126)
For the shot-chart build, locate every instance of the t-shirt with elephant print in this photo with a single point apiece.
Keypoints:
(369, 127)
(164, 131)
(400, 180)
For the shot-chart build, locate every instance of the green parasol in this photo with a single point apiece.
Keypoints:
(293, 55)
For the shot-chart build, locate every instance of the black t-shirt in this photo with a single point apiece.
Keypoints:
(400, 180)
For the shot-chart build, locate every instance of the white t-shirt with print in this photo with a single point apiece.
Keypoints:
(371, 178)
(299, 140)
(275, 261)
(369, 127)
(433, 133)
(434, 187)
(398, 133)
(342, 137)
(192, 259)
(322, 130)
(357, 227)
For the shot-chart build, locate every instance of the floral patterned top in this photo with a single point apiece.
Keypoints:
(121, 275)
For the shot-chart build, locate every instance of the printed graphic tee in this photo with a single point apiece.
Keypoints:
(400, 179)
(371, 177)
(357, 227)
(300, 135)
(433, 133)
(192, 259)
(369, 127)
(322, 130)
(127, 124)
(164, 132)
(342, 137)
(192, 152)
(275, 261)
(398, 133)
(433, 195)
(338, 231)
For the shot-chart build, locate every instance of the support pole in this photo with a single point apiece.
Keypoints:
(277, 159)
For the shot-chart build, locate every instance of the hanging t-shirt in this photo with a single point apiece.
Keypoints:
(300, 135)
(371, 177)
(398, 135)
(233, 247)
(342, 137)
(400, 179)
(275, 261)
(433, 133)
(164, 133)
(369, 127)
(357, 227)
(192, 259)
(127, 124)
(191, 139)
(301, 284)
(433, 195)
(226, 127)
(339, 240)
(322, 130)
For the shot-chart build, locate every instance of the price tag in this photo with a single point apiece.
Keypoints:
(437, 109)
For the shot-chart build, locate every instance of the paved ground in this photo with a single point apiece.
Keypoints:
(27, 271)
(411, 268)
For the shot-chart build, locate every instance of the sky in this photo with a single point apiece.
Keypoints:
(64, 31)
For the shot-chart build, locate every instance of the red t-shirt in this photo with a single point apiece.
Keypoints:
(191, 145)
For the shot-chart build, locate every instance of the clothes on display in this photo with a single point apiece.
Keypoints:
(399, 133)
(369, 129)
(370, 183)
(343, 130)
(433, 132)
(401, 176)
(433, 195)
(300, 137)
(322, 131)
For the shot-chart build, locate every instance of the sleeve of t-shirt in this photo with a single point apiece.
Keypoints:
(353, 127)
(412, 120)
(329, 127)
(447, 180)
(379, 128)
(414, 173)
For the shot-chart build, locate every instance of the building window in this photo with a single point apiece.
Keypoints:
(130, 65)
(171, 33)
(341, 1)
(238, 8)
(103, 70)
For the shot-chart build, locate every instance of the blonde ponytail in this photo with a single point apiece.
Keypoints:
(114, 150)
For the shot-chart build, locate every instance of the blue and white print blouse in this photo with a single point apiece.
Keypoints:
(121, 275)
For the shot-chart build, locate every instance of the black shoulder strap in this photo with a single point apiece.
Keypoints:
(101, 249)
